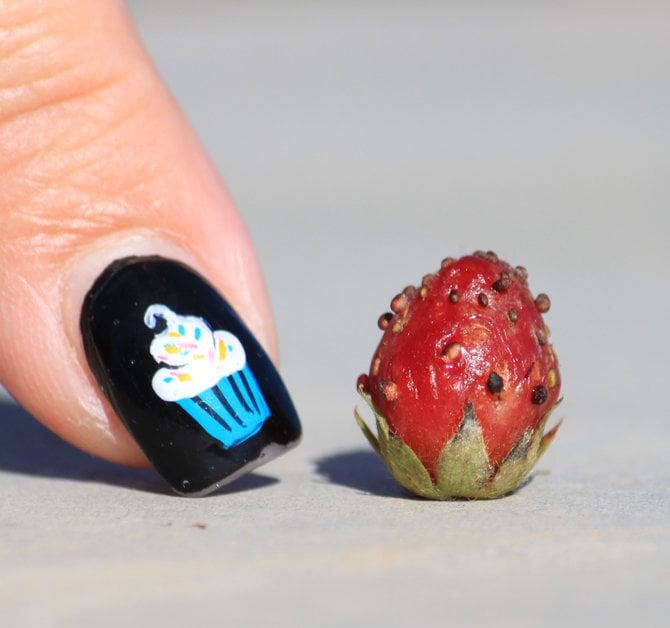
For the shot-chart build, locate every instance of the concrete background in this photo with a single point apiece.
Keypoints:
(363, 142)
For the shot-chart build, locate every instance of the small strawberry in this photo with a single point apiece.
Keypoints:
(463, 381)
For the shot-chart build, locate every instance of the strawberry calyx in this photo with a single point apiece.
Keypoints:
(463, 470)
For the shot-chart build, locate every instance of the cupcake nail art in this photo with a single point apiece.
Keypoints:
(206, 373)
(185, 375)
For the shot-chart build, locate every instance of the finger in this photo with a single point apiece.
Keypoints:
(97, 165)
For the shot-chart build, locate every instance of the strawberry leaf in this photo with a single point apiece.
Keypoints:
(463, 467)
(367, 432)
(403, 463)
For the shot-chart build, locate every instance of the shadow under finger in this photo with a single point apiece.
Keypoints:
(29, 448)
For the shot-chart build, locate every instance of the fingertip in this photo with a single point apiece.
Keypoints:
(92, 176)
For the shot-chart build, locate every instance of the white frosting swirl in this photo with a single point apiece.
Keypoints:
(195, 357)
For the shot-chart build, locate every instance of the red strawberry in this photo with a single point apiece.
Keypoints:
(463, 381)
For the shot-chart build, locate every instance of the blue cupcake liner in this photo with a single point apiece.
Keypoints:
(232, 411)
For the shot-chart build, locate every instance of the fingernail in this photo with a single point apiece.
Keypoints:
(184, 374)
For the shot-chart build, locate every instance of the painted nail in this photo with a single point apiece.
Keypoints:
(185, 375)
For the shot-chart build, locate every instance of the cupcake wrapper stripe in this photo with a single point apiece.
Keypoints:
(232, 411)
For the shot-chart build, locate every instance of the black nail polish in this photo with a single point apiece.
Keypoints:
(186, 376)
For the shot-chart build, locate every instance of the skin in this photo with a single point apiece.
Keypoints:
(97, 163)
(437, 355)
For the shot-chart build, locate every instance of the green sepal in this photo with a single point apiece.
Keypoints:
(367, 432)
(399, 458)
(548, 438)
(403, 463)
(463, 470)
(463, 466)
(516, 466)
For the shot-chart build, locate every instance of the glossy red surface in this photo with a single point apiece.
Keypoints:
(434, 381)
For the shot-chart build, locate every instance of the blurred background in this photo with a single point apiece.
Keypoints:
(363, 142)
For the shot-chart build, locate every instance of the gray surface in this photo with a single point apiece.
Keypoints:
(363, 144)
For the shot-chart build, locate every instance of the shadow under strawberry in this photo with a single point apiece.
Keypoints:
(361, 470)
